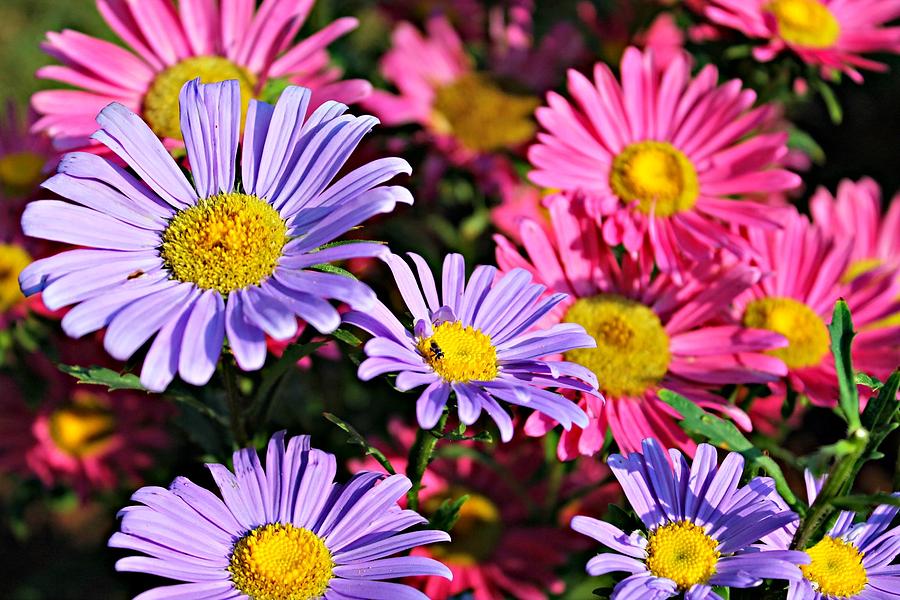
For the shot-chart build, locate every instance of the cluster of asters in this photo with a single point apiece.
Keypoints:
(650, 247)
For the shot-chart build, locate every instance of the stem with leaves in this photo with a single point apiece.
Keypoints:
(420, 457)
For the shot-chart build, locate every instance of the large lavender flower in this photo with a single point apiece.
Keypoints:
(192, 263)
(700, 527)
(478, 340)
(288, 532)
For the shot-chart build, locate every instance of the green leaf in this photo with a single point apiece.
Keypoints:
(801, 140)
(357, 439)
(726, 435)
(841, 331)
(882, 409)
(447, 514)
(329, 268)
(273, 88)
(345, 336)
(347, 242)
(867, 380)
(831, 101)
(105, 377)
(865, 501)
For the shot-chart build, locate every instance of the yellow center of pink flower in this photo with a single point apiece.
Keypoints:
(807, 335)
(682, 552)
(281, 562)
(12, 260)
(806, 23)
(658, 176)
(835, 568)
(20, 172)
(225, 242)
(459, 353)
(475, 534)
(161, 102)
(83, 428)
(481, 116)
(632, 352)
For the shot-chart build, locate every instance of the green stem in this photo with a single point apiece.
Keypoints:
(235, 405)
(420, 457)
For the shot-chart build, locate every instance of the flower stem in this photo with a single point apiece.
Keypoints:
(235, 405)
(420, 457)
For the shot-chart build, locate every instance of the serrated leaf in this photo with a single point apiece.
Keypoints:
(105, 377)
(882, 409)
(357, 439)
(841, 331)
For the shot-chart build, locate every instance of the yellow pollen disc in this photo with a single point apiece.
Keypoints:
(459, 353)
(807, 23)
(281, 562)
(20, 172)
(224, 242)
(476, 533)
(82, 428)
(632, 352)
(656, 175)
(161, 102)
(12, 260)
(835, 568)
(481, 116)
(683, 553)
(807, 335)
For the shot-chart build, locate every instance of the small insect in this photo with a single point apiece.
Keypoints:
(436, 350)
(135, 275)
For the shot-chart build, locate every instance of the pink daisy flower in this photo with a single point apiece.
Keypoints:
(170, 45)
(501, 546)
(81, 438)
(855, 213)
(832, 34)
(651, 332)
(465, 110)
(806, 271)
(663, 159)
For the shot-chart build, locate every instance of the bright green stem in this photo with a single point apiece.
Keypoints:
(420, 457)
(235, 405)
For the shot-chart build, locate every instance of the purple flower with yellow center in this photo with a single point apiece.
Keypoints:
(286, 532)
(478, 340)
(196, 263)
(700, 527)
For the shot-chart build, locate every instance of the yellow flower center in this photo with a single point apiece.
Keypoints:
(459, 353)
(161, 102)
(683, 553)
(20, 172)
(82, 428)
(656, 175)
(481, 116)
(805, 331)
(12, 260)
(475, 534)
(281, 562)
(632, 352)
(806, 23)
(835, 568)
(225, 242)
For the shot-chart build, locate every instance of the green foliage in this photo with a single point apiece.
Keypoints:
(447, 514)
(108, 378)
(841, 331)
(356, 438)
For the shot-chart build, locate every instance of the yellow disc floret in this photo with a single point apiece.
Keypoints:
(807, 23)
(84, 427)
(481, 116)
(805, 331)
(281, 562)
(632, 352)
(682, 552)
(656, 175)
(459, 353)
(161, 102)
(21, 171)
(12, 260)
(835, 569)
(475, 534)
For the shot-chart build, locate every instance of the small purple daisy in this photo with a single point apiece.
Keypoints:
(852, 561)
(288, 532)
(196, 263)
(700, 527)
(479, 341)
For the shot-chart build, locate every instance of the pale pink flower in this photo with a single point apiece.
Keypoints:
(664, 38)
(664, 159)
(170, 44)
(832, 34)
(651, 332)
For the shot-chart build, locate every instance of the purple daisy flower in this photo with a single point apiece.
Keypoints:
(194, 263)
(852, 561)
(288, 532)
(478, 340)
(700, 527)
